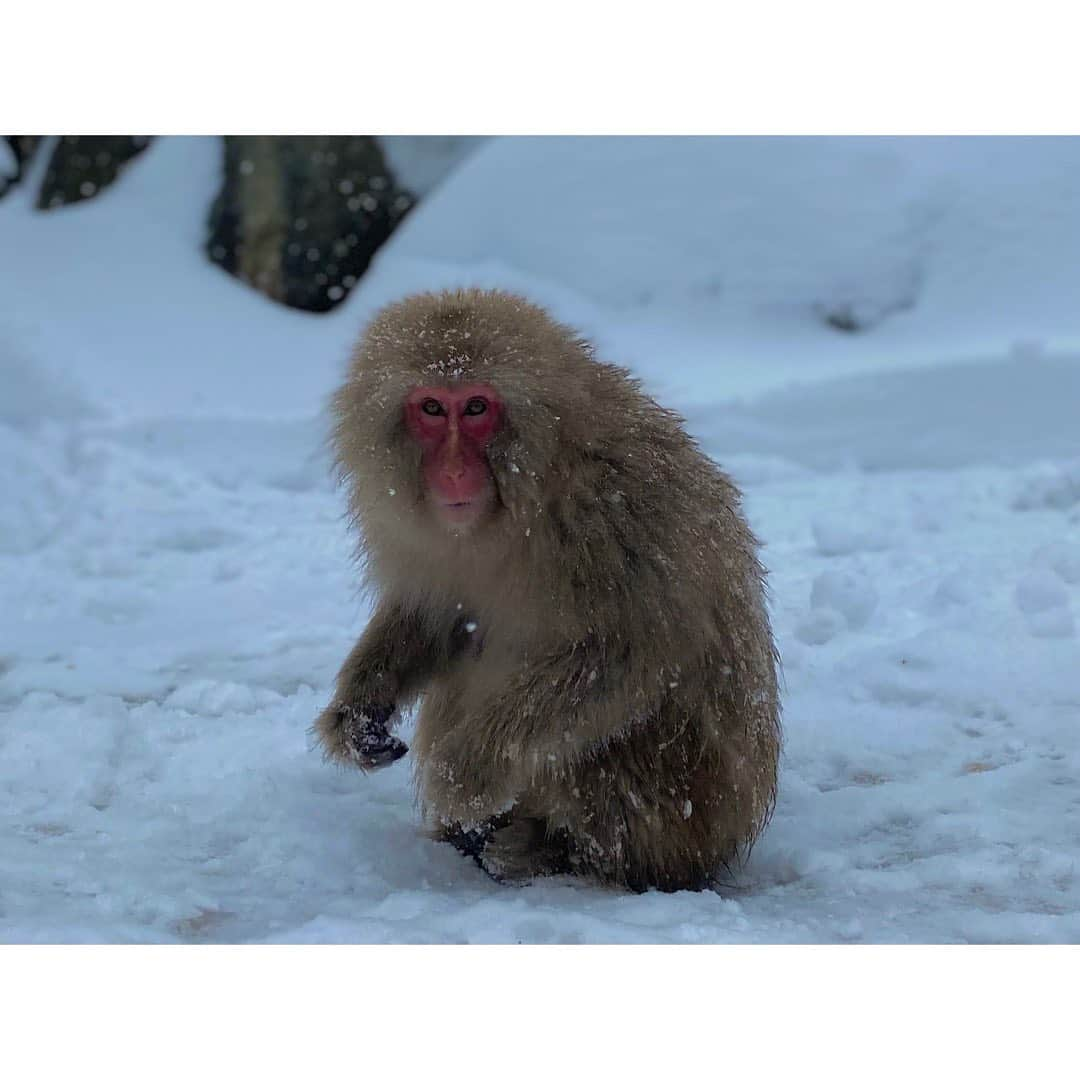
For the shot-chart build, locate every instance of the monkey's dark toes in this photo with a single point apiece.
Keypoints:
(472, 841)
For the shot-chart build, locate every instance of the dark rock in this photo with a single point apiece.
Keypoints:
(859, 316)
(300, 217)
(843, 318)
(884, 291)
(23, 148)
(83, 165)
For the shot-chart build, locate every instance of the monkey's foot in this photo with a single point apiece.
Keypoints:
(368, 742)
(472, 841)
(524, 850)
(512, 850)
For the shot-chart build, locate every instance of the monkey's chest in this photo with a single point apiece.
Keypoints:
(484, 663)
(467, 639)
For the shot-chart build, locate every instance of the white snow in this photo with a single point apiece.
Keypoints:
(177, 588)
(420, 162)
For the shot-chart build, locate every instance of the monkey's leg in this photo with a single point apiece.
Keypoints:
(637, 852)
(549, 710)
(653, 811)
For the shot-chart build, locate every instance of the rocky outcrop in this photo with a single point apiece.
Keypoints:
(21, 149)
(81, 166)
(300, 217)
(297, 217)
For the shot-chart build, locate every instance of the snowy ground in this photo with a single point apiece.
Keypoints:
(177, 593)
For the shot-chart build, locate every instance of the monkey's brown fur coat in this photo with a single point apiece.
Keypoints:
(595, 655)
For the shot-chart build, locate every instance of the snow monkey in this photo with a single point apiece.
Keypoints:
(569, 586)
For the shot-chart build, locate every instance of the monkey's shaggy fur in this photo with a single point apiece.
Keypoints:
(595, 658)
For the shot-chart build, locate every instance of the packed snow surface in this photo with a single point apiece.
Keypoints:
(177, 592)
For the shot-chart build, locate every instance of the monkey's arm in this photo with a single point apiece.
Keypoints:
(555, 710)
(395, 655)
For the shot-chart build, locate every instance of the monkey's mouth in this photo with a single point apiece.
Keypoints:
(461, 513)
(458, 509)
(462, 510)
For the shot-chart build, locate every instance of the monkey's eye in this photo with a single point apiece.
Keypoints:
(475, 406)
(432, 407)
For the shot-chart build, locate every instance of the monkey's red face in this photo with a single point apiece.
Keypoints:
(453, 426)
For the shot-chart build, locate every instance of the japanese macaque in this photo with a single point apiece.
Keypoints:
(568, 585)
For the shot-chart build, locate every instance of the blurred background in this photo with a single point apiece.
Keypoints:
(758, 260)
(878, 337)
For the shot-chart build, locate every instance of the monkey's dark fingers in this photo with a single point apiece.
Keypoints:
(370, 745)
(376, 758)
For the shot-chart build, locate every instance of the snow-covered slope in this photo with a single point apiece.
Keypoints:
(177, 592)
(421, 162)
(736, 251)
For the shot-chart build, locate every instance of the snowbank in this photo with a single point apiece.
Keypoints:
(732, 253)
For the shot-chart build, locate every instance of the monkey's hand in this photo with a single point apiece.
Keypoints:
(359, 735)
(370, 744)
